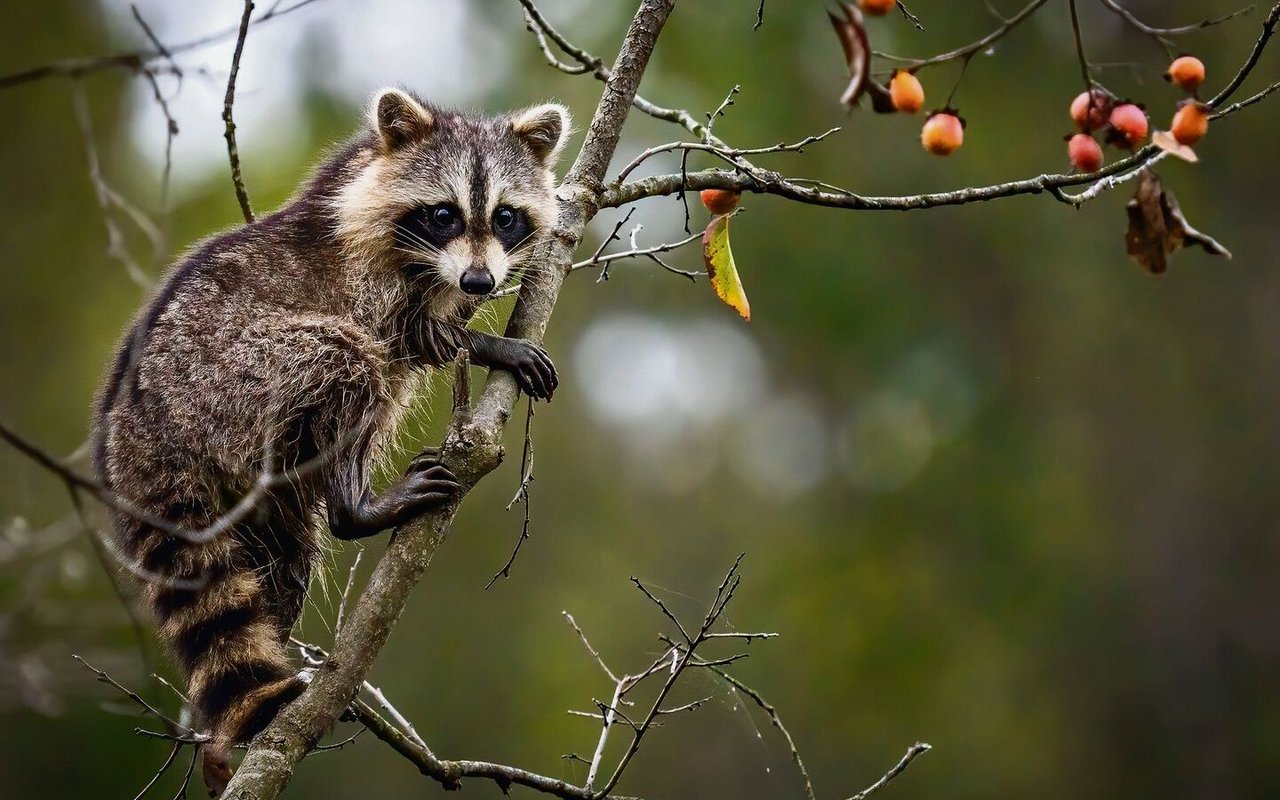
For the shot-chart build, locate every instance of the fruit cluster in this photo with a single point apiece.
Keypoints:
(1121, 123)
(1124, 123)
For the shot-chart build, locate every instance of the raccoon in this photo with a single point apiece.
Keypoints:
(290, 345)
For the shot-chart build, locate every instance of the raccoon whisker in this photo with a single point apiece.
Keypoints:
(417, 255)
(415, 238)
(416, 247)
(417, 243)
(528, 238)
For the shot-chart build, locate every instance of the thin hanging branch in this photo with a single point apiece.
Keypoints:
(132, 61)
(233, 151)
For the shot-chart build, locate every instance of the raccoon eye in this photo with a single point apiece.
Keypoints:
(443, 216)
(504, 217)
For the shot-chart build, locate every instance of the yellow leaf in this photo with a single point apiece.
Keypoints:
(720, 267)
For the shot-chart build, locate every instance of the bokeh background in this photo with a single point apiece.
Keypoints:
(999, 489)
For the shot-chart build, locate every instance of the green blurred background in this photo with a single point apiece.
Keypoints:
(999, 489)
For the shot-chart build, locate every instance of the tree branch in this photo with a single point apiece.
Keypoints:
(133, 61)
(233, 152)
(768, 182)
(973, 47)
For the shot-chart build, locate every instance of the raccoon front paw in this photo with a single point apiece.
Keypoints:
(427, 484)
(532, 368)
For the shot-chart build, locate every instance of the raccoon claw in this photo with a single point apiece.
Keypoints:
(429, 486)
(532, 368)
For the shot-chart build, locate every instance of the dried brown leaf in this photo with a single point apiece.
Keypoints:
(1158, 228)
(857, 50)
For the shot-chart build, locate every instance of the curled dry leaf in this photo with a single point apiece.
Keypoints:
(721, 268)
(857, 51)
(1157, 227)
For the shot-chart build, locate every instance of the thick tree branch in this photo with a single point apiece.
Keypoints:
(472, 447)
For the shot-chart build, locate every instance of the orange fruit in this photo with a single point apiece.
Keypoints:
(1130, 122)
(1085, 152)
(720, 201)
(877, 8)
(1091, 116)
(906, 92)
(1187, 72)
(1190, 123)
(943, 133)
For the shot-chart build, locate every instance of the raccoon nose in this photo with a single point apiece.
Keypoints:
(477, 280)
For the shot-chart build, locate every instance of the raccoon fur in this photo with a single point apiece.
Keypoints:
(290, 344)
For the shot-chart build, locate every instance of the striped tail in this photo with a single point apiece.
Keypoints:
(228, 642)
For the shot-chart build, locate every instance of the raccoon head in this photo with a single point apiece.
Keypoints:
(450, 199)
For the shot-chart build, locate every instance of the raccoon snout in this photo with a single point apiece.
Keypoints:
(476, 280)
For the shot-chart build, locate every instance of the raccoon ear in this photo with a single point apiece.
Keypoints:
(400, 119)
(543, 129)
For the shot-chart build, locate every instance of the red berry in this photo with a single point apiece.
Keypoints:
(720, 201)
(1187, 72)
(1190, 123)
(943, 134)
(906, 92)
(1091, 114)
(1130, 122)
(1085, 152)
(877, 8)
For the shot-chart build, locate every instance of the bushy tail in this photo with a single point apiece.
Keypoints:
(229, 643)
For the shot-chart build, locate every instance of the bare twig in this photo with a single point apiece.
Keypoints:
(636, 251)
(730, 154)
(109, 199)
(1163, 36)
(171, 124)
(663, 608)
(132, 61)
(723, 107)
(679, 657)
(346, 591)
(612, 237)
(541, 38)
(909, 17)
(315, 656)
(1268, 28)
(1080, 57)
(186, 779)
(917, 749)
(587, 644)
(774, 719)
(521, 495)
(168, 762)
(233, 152)
(972, 48)
(175, 728)
(1248, 101)
(171, 688)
